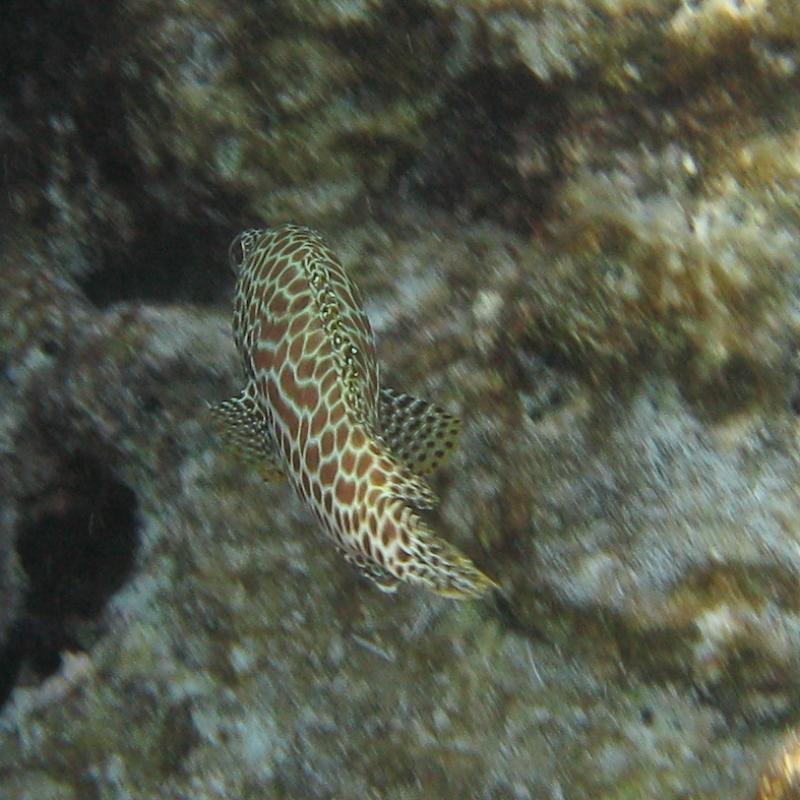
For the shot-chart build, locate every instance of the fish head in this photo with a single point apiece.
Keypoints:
(243, 247)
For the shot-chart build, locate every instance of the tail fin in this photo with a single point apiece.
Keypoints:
(444, 569)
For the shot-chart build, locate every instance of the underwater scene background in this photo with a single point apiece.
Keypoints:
(576, 225)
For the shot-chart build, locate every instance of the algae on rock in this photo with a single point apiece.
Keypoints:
(575, 222)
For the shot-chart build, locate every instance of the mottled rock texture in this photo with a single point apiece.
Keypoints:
(575, 223)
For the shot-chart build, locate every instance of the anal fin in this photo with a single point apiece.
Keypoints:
(382, 578)
(243, 428)
(419, 433)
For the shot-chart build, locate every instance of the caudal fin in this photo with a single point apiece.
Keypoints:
(444, 569)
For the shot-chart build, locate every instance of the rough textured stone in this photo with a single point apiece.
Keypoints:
(577, 225)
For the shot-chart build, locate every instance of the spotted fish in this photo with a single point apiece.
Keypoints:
(313, 411)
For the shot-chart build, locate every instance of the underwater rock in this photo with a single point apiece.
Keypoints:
(645, 548)
(152, 123)
(781, 778)
(576, 225)
(71, 523)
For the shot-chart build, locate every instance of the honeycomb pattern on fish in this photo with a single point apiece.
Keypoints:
(313, 411)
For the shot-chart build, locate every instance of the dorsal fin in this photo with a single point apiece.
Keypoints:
(419, 433)
(243, 427)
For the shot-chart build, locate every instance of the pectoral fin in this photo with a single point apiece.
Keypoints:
(243, 428)
(419, 433)
(381, 577)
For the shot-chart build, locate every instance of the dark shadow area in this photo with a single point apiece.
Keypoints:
(496, 154)
(794, 396)
(76, 83)
(77, 544)
(54, 62)
(10, 663)
(170, 261)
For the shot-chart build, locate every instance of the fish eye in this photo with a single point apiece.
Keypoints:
(238, 251)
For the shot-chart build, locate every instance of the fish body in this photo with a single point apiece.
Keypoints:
(313, 411)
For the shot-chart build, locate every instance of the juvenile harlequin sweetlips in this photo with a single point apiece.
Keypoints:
(313, 411)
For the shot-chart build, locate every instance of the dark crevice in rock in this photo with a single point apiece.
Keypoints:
(11, 657)
(496, 155)
(394, 66)
(144, 231)
(794, 395)
(77, 542)
(52, 57)
(169, 261)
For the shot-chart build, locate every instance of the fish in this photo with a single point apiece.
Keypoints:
(313, 411)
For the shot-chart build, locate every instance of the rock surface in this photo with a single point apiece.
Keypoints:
(577, 225)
